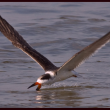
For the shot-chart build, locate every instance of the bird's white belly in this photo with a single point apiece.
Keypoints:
(62, 76)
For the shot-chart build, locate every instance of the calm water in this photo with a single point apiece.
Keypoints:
(58, 31)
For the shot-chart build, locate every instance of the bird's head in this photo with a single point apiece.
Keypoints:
(42, 80)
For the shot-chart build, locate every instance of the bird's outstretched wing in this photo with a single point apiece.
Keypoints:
(82, 55)
(18, 41)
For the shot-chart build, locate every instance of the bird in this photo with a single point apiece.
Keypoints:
(52, 73)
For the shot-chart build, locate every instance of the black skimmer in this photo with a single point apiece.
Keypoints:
(52, 73)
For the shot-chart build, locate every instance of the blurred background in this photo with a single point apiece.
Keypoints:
(57, 30)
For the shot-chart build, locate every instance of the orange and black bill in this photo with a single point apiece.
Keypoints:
(39, 85)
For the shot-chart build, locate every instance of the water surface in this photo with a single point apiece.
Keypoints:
(57, 30)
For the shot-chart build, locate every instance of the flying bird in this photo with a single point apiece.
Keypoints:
(52, 73)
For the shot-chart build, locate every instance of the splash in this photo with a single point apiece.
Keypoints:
(61, 85)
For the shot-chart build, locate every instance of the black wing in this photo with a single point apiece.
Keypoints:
(18, 41)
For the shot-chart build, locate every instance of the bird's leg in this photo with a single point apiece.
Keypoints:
(75, 74)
